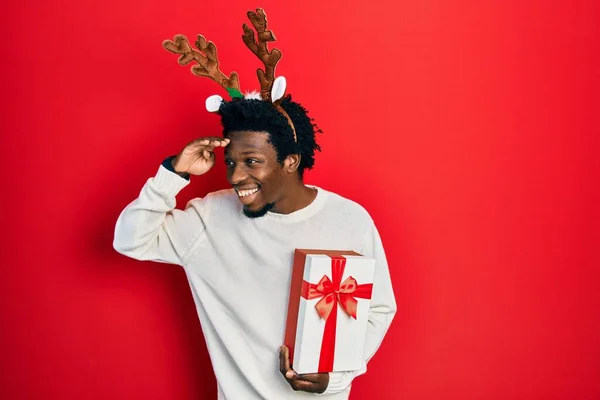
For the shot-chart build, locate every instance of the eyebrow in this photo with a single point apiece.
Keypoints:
(245, 153)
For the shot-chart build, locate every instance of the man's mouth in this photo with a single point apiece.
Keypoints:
(247, 196)
(248, 192)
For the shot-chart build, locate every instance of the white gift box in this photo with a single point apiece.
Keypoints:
(328, 310)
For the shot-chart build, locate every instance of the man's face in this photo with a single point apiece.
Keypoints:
(254, 172)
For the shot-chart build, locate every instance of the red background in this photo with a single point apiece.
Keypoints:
(468, 129)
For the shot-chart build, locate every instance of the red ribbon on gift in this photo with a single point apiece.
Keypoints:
(333, 292)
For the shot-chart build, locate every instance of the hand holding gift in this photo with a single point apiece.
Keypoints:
(312, 383)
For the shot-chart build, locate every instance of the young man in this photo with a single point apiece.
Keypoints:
(236, 246)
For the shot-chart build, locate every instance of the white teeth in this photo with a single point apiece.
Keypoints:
(244, 193)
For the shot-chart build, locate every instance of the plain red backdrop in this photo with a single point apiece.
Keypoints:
(468, 129)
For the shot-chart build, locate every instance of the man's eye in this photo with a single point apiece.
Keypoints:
(251, 161)
(229, 163)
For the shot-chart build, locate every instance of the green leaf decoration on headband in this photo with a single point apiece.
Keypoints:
(234, 93)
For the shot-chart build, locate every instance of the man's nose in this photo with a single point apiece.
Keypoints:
(236, 174)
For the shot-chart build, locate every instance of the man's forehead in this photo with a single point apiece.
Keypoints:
(248, 141)
(248, 135)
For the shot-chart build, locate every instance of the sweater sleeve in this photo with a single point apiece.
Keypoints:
(381, 311)
(150, 228)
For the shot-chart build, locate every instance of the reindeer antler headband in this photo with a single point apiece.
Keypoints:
(271, 89)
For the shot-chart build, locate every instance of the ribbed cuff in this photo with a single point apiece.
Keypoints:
(338, 382)
(168, 183)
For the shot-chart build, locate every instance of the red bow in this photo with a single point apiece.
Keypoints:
(343, 293)
(334, 292)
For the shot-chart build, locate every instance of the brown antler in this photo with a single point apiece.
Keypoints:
(208, 63)
(270, 59)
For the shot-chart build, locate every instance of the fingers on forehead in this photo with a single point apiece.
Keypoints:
(212, 139)
(219, 143)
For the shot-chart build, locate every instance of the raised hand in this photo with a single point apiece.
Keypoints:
(197, 157)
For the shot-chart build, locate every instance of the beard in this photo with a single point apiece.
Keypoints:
(258, 213)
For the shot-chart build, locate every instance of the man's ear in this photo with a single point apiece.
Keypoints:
(292, 162)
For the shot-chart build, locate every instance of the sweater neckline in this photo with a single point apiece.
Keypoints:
(302, 213)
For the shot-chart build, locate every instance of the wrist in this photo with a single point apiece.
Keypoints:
(175, 169)
(169, 163)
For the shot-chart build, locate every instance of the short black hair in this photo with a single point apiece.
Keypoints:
(261, 116)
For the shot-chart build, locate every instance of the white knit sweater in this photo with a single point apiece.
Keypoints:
(239, 270)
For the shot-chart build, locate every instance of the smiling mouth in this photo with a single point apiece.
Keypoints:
(247, 196)
(246, 193)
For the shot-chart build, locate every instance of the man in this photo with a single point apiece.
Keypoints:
(236, 246)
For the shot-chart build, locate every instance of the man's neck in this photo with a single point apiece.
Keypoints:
(297, 197)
